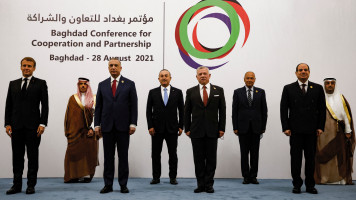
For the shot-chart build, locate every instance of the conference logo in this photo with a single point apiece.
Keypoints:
(189, 48)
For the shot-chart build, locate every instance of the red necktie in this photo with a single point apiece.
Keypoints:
(113, 87)
(205, 96)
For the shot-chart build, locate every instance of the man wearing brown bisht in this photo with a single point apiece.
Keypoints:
(82, 151)
(335, 148)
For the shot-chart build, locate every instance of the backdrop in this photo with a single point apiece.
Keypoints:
(70, 39)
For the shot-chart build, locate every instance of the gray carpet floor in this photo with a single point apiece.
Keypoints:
(54, 188)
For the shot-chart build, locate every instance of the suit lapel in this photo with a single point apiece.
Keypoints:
(255, 95)
(297, 87)
(211, 95)
(30, 85)
(244, 95)
(120, 86)
(159, 95)
(200, 98)
(171, 94)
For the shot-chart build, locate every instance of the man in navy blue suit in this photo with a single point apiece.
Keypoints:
(164, 104)
(116, 119)
(303, 114)
(249, 118)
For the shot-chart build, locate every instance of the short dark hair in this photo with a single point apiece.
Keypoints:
(164, 70)
(296, 69)
(28, 59)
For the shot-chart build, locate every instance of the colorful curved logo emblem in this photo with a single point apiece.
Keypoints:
(234, 11)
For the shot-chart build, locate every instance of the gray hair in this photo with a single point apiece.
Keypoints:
(203, 67)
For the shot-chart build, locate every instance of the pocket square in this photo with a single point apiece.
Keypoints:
(216, 95)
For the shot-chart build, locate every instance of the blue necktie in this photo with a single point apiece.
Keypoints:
(165, 97)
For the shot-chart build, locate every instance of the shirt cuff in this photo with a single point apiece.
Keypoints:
(43, 125)
(132, 126)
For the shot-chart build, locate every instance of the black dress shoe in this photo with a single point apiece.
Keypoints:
(14, 190)
(254, 181)
(296, 190)
(312, 190)
(30, 190)
(85, 180)
(106, 189)
(76, 180)
(173, 181)
(209, 189)
(124, 189)
(246, 181)
(155, 181)
(199, 190)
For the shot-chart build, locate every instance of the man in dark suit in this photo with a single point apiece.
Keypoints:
(303, 116)
(25, 123)
(205, 120)
(116, 119)
(249, 118)
(163, 124)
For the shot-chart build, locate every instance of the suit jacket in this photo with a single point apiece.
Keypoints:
(119, 111)
(303, 114)
(243, 115)
(164, 118)
(204, 121)
(24, 111)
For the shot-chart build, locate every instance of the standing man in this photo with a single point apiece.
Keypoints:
(82, 151)
(335, 148)
(163, 124)
(249, 118)
(303, 119)
(205, 120)
(116, 119)
(25, 122)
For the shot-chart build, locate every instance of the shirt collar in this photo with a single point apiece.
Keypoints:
(28, 78)
(249, 88)
(207, 86)
(117, 79)
(168, 88)
(300, 83)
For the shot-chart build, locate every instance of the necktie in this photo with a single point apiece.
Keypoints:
(113, 87)
(205, 96)
(303, 89)
(24, 87)
(249, 98)
(165, 97)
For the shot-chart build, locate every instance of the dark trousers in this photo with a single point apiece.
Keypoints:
(298, 143)
(172, 143)
(204, 153)
(110, 141)
(21, 139)
(249, 144)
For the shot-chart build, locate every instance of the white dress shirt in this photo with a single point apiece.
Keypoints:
(202, 89)
(168, 91)
(251, 91)
(306, 85)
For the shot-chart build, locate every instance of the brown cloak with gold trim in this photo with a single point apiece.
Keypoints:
(82, 151)
(334, 153)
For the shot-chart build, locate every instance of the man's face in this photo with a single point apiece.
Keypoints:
(329, 86)
(203, 76)
(27, 68)
(83, 86)
(303, 72)
(115, 68)
(164, 78)
(249, 79)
